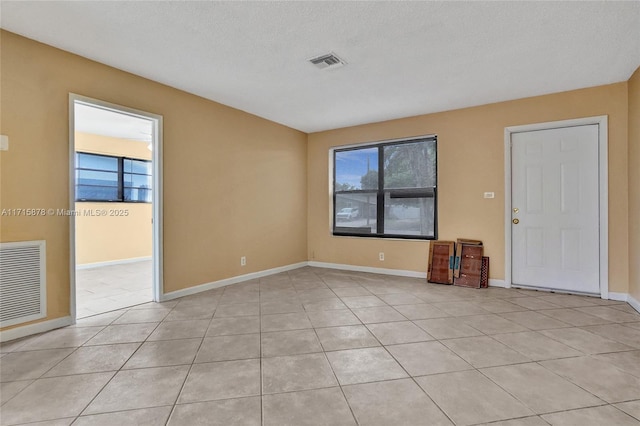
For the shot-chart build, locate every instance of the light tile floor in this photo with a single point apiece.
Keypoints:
(113, 287)
(323, 347)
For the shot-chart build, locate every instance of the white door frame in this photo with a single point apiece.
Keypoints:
(603, 179)
(156, 143)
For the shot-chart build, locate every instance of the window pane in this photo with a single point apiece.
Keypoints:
(99, 162)
(137, 166)
(409, 216)
(356, 213)
(90, 177)
(410, 165)
(141, 181)
(103, 193)
(356, 169)
(137, 194)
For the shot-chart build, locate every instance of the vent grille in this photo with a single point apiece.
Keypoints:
(22, 282)
(329, 60)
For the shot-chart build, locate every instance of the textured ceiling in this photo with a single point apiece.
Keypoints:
(404, 58)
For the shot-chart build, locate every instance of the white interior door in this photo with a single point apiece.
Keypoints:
(555, 205)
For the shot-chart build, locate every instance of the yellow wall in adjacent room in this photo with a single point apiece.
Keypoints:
(634, 185)
(98, 144)
(234, 183)
(470, 162)
(126, 231)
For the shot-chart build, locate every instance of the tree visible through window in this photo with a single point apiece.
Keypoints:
(399, 202)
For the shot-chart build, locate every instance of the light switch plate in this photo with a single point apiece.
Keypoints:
(4, 143)
(489, 195)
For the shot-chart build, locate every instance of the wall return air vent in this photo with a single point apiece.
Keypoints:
(23, 294)
(329, 60)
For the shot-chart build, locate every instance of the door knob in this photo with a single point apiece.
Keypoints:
(516, 221)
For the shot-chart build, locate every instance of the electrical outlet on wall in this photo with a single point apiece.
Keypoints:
(381, 256)
(243, 261)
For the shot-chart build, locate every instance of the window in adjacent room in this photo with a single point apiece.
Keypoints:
(137, 180)
(109, 178)
(386, 190)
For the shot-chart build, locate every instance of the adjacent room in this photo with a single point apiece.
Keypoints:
(113, 210)
(319, 213)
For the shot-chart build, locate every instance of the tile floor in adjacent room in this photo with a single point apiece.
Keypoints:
(107, 288)
(324, 347)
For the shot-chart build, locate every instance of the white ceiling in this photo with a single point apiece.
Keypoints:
(104, 122)
(404, 58)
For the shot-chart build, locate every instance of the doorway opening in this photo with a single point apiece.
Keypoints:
(115, 187)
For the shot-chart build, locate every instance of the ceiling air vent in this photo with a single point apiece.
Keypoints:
(330, 60)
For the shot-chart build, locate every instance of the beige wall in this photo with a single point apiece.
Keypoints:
(126, 231)
(234, 184)
(634, 185)
(470, 162)
(238, 185)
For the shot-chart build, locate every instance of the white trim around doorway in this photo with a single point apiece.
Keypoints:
(603, 182)
(157, 257)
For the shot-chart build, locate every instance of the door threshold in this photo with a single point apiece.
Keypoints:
(554, 290)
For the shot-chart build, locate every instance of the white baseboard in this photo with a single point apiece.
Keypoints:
(620, 297)
(635, 304)
(112, 262)
(39, 327)
(497, 283)
(228, 281)
(384, 271)
(370, 269)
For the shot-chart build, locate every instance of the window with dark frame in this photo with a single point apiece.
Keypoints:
(112, 179)
(386, 190)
